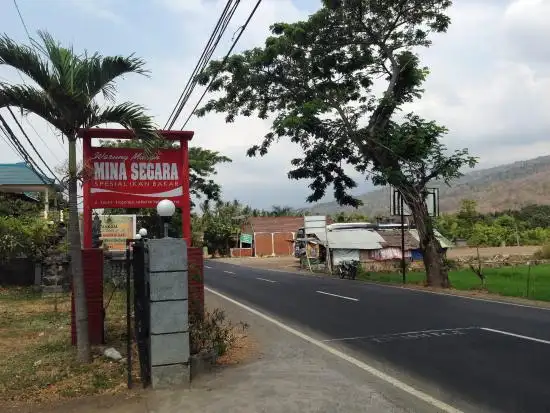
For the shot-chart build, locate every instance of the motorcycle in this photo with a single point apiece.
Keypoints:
(348, 269)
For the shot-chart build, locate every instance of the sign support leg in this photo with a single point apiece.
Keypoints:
(403, 264)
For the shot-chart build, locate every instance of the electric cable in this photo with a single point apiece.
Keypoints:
(208, 51)
(243, 28)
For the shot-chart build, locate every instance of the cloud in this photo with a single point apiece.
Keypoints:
(485, 88)
(488, 84)
(102, 9)
(252, 179)
(526, 30)
(489, 91)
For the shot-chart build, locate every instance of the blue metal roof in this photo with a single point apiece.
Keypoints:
(21, 174)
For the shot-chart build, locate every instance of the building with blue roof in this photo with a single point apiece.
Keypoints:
(19, 178)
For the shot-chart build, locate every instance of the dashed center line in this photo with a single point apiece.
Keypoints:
(229, 272)
(507, 333)
(339, 296)
(266, 280)
(206, 266)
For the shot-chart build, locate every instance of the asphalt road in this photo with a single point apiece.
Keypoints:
(463, 352)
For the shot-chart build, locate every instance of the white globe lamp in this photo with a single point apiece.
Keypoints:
(166, 209)
(137, 236)
(142, 232)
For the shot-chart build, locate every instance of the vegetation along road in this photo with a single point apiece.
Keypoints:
(467, 354)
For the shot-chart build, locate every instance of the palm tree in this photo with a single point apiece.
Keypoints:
(281, 211)
(65, 94)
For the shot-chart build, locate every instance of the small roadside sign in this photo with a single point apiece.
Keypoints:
(246, 239)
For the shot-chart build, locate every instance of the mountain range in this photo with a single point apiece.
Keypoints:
(503, 187)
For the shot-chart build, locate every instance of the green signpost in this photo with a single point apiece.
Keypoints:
(246, 239)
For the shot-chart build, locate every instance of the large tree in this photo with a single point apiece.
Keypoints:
(318, 79)
(64, 92)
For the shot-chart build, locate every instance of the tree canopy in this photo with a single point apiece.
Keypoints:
(318, 80)
(526, 226)
(318, 76)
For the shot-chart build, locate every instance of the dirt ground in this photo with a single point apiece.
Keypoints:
(278, 263)
(268, 370)
(491, 251)
(292, 264)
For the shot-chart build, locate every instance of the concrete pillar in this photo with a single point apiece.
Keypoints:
(38, 274)
(46, 203)
(167, 267)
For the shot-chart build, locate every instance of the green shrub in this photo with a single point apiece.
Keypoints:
(213, 332)
(543, 253)
(24, 235)
(450, 264)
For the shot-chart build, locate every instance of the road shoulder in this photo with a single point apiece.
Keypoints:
(287, 375)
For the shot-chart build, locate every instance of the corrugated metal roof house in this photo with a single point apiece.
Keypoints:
(347, 244)
(375, 245)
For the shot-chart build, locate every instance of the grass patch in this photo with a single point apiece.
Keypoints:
(513, 281)
(38, 361)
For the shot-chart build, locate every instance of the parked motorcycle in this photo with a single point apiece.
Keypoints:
(348, 269)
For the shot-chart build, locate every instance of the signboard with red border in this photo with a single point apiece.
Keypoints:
(126, 178)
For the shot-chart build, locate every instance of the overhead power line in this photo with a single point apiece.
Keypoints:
(21, 17)
(22, 151)
(243, 28)
(8, 142)
(23, 80)
(32, 145)
(208, 51)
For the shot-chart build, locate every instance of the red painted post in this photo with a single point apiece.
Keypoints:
(86, 209)
(186, 196)
(92, 266)
(196, 282)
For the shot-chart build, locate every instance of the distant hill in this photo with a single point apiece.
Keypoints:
(509, 186)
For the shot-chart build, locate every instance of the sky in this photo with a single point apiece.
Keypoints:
(489, 78)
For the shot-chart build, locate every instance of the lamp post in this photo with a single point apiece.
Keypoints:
(166, 209)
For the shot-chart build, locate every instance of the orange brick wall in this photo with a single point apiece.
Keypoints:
(268, 244)
(240, 252)
(281, 244)
(263, 245)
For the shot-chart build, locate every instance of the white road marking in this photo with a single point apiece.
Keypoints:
(465, 297)
(266, 280)
(506, 333)
(206, 266)
(382, 336)
(339, 296)
(444, 407)
(229, 272)
(416, 290)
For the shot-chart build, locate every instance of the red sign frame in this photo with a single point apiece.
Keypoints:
(140, 182)
(124, 178)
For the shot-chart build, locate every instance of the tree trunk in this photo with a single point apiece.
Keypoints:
(81, 309)
(436, 272)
